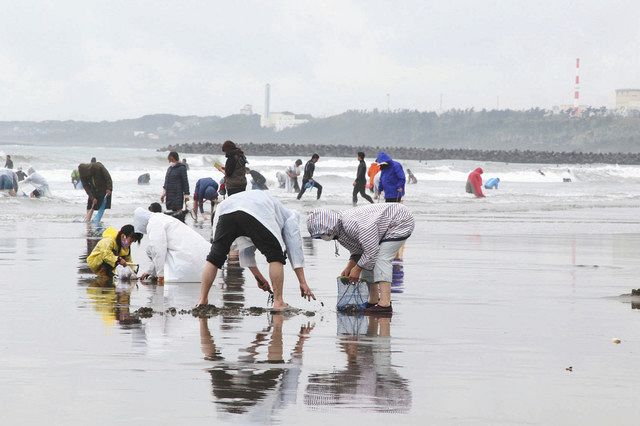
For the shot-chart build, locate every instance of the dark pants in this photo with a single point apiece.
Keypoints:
(231, 191)
(240, 224)
(313, 183)
(360, 188)
(393, 200)
(99, 203)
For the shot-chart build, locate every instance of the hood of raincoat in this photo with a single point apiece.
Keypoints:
(478, 170)
(383, 157)
(141, 220)
(323, 222)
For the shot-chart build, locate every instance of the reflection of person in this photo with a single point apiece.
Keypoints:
(112, 250)
(39, 182)
(234, 168)
(9, 181)
(392, 178)
(368, 375)
(293, 171)
(474, 183)
(258, 221)
(176, 183)
(359, 185)
(266, 386)
(175, 250)
(373, 234)
(307, 178)
(98, 185)
(206, 190)
(112, 302)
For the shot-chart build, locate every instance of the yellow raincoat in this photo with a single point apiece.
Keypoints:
(105, 251)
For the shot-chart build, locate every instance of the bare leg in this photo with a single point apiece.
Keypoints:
(276, 274)
(87, 218)
(374, 293)
(385, 293)
(209, 273)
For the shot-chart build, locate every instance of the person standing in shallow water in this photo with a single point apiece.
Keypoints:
(307, 178)
(373, 234)
(97, 183)
(9, 163)
(392, 178)
(257, 221)
(176, 184)
(474, 183)
(234, 168)
(359, 185)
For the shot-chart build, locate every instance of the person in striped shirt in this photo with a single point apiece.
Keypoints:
(373, 234)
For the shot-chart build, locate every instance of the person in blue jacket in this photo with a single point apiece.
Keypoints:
(206, 189)
(392, 178)
(492, 183)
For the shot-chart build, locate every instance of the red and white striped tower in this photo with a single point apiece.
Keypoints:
(576, 89)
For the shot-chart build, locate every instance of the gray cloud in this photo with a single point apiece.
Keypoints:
(117, 59)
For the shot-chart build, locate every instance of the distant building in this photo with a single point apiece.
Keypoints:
(247, 110)
(628, 99)
(283, 120)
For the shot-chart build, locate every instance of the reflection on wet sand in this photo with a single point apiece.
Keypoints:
(252, 386)
(368, 378)
(112, 302)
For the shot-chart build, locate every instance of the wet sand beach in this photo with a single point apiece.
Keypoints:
(500, 318)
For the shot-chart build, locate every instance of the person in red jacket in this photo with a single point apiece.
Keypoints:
(474, 183)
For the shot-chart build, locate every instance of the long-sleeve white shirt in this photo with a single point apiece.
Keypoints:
(38, 181)
(282, 222)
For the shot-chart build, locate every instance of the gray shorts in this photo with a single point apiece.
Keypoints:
(383, 269)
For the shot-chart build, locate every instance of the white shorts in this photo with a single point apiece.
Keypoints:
(383, 269)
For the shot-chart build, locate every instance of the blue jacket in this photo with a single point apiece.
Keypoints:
(391, 177)
(201, 187)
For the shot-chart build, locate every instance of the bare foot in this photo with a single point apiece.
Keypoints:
(280, 306)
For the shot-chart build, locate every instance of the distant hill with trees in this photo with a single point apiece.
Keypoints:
(596, 130)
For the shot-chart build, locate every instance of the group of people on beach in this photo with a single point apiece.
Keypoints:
(10, 180)
(250, 221)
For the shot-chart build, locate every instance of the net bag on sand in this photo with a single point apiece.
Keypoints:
(352, 296)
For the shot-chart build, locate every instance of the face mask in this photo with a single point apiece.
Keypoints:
(125, 243)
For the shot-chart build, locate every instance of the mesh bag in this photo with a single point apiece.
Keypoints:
(352, 296)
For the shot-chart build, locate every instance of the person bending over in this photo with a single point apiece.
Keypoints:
(112, 250)
(256, 220)
(373, 234)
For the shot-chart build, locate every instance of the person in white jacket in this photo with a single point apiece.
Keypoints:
(174, 249)
(39, 183)
(256, 220)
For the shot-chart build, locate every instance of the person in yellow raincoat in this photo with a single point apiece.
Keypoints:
(112, 250)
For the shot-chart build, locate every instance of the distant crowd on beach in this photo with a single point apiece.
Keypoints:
(248, 220)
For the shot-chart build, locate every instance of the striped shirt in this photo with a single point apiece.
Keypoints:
(361, 230)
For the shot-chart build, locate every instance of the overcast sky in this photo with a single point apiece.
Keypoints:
(105, 60)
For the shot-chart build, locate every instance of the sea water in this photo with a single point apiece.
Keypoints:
(494, 300)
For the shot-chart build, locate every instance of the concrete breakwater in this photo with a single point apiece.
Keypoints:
(424, 154)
